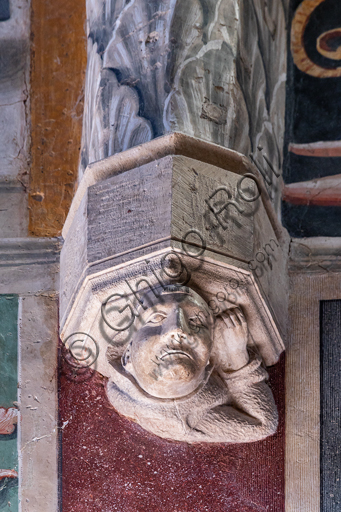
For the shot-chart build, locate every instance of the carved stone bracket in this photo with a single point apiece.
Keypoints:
(188, 232)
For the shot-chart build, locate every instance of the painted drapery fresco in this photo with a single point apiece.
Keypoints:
(312, 194)
(8, 398)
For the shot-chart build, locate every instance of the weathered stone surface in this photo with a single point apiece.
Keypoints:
(29, 265)
(314, 277)
(130, 210)
(38, 403)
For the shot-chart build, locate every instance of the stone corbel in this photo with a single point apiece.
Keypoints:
(175, 261)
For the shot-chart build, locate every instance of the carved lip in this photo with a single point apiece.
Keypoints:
(175, 352)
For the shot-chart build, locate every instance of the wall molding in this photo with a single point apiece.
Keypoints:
(316, 255)
(16, 252)
(29, 265)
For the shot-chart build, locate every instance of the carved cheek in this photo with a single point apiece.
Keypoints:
(146, 346)
(205, 348)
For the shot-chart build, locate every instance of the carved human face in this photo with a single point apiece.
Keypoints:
(170, 351)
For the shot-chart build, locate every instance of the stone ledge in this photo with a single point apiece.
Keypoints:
(29, 265)
(16, 252)
(317, 255)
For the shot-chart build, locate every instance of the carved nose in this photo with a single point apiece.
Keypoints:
(178, 337)
(176, 325)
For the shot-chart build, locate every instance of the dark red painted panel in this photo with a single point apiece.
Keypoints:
(111, 464)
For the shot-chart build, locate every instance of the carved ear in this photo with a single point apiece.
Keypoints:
(126, 361)
(122, 338)
(218, 326)
(118, 346)
(217, 333)
(113, 353)
(126, 356)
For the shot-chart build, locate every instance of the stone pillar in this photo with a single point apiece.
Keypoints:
(214, 70)
(173, 292)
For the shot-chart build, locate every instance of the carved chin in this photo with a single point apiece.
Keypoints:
(176, 368)
(176, 376)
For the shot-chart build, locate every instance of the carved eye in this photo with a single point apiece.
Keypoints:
(156, 318)
(198, 321)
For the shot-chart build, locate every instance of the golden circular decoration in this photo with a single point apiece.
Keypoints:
(325, 44)
(300, 56)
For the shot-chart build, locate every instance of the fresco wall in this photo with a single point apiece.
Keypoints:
(8, 403)
(312, 195)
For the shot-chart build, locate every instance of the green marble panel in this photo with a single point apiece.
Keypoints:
(8, 395)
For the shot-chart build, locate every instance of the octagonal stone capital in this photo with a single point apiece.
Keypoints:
(174, 210)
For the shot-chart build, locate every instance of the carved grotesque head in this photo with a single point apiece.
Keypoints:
(171, 346)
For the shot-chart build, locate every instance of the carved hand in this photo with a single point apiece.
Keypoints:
(230, 340)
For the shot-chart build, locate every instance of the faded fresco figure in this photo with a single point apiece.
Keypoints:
(8, 477)
(188, 376)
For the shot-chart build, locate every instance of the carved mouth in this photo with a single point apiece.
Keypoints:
(175, 352)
